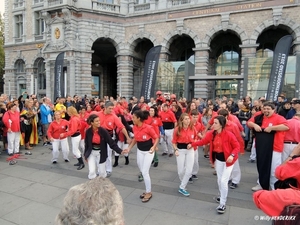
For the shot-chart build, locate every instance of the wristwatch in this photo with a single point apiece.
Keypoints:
(233, 155)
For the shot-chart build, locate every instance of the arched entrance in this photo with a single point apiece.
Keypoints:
(141, 47)
(104, 68)
(259, 68)
(224, 60)
(173, 76)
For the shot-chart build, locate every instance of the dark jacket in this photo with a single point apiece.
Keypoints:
(105, 139)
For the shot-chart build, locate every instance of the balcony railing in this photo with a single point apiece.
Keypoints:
(141, 7)
(19, 4)
(180, 2)
(54, 2)
(105, 7)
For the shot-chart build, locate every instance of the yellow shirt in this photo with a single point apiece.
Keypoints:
(61, 108)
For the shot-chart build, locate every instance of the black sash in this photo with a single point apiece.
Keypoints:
(264, 153)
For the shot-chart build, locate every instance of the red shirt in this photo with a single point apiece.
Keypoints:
(84, 116)
(167, 116)
(83, 128)
(144, 133)
(232, 127)
(293, 134)
(199, 127)
(217, 144)
(12, 120)
(186, 136)
(55, 129)
(74, 126)
(109, 121)
(96, 137)
(230, 145)
(274, 120)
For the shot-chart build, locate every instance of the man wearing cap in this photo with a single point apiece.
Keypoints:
(292, 136)
(295, 108)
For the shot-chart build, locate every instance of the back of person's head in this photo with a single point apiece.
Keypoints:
(95, 202)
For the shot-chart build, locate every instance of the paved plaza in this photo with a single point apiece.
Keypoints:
(32, 192)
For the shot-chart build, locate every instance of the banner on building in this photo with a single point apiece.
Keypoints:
(280, 58)
(150, 72)
(59, 86)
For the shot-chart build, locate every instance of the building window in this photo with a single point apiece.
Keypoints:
(41, 74)
(18, 3)
(38, 1)
(19, 66)
(142, 1)
(39, 24)
(106, 1)
(228, 63)
(19, 26)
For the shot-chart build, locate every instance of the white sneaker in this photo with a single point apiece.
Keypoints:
(257, 188)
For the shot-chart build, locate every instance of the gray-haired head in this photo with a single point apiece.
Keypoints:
(108, 104)
(95, 202)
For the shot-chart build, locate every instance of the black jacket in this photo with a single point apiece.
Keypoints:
(105, 139)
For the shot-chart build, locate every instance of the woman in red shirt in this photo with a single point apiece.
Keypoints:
(147, 140)
(74, 132)
(157, 126)
(11, 120)
(57, 127)
(184, 134)
(224, 149)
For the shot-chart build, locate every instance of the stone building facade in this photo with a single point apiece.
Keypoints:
(105, 44)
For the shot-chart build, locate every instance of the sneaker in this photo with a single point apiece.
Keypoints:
(108, 174)
(184, 192)
(141, 178)
(206, 156)
(191, 180)
(217, 199)
(170, 155)
(229, 181)
(49, 143)
(28, 153)
(66, 160)
(54, 162)
(10, 154)
(45, 144)
(251, 160)
(194, 177)
(164, 154)
(233, 186)
(257, 188)
(221, 209)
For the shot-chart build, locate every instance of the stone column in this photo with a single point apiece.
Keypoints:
(125, 75)
(71, 77)
(49, 81)
(296, 52)
(247, 51)
(84, 74)
(201, 69)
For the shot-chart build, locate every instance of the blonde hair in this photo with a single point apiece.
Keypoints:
(95, 202)
(72, 111)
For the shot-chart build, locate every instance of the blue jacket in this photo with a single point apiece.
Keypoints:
(44, 114)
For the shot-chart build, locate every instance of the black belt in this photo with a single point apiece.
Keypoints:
(290, 142)
(96, 147)
(76, 134)
(182, 145)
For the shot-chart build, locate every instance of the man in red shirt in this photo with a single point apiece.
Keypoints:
(109, 121)
(292, 136)
(269, 129)
(169, 122)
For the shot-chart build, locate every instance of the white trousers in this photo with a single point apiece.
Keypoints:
(144, 160)
(94, 165)
(236, 172)
(167, 142)
(82, 146)
(109, 160)
(253, 151)
(75, 146)
(185, 162)
(13, 139)
(223, 174)
(196, 163)
(122, 145)
(287, 150)
(64, 148)
(276, 161)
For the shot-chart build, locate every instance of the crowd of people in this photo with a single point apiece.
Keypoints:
(225, 129)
